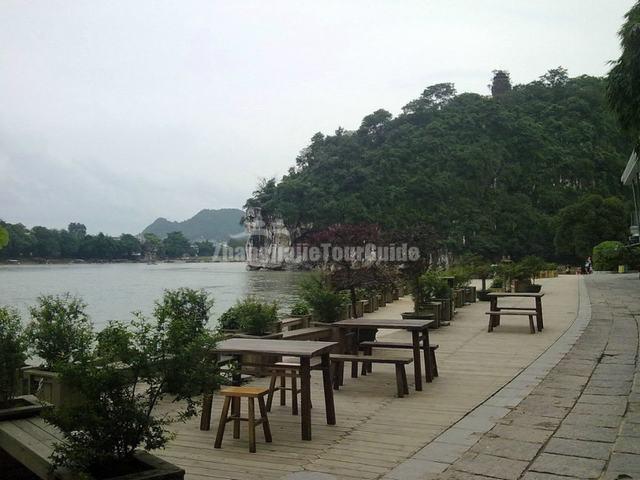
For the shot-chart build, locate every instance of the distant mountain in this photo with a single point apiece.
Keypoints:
(205, 225)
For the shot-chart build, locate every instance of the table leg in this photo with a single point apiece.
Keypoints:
(493, 307)
(417, 368)
(427, 358)
(328, 390)
(305, 394)
(207, 405)
(539, 313)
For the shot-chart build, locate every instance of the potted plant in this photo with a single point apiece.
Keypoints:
(12, 357)
(185, 312)
(427, 287)
(326, 304)
(60, 332)
(483, 271)
(527, 271)
(109, 435)
(252, 318)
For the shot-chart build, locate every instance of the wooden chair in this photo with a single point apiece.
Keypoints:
(289, 367)
(232, 397)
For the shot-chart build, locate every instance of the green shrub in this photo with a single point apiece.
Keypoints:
(326, 304)
(529, 267)
(300, 308)
(12, 352)
(608, 255)
(461, 275)
(251, 316)
(60, 330)
(430, 285)
(117, 415)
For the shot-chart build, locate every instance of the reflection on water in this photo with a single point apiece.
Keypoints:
(113, 291)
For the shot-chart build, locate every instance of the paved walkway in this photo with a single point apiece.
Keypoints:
(583, 420)
(376, 433)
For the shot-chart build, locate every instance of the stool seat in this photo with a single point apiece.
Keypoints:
(249, 392)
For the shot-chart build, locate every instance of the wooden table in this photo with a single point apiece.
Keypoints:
(493, 298)
(419, 331)
(302, 349)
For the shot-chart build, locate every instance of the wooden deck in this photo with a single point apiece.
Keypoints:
(375, 430)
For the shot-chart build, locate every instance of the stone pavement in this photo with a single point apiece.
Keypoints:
(581, 421)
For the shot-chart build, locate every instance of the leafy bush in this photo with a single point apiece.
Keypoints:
(529, 267)
(185, 312)
(60, 330)
(461, 275)
(12, 352)
(251, 316)
(430, 285)
(326, 304)
(608, 255)
(117, 414)
(300, 308)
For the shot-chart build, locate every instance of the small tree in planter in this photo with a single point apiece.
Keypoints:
(300, 309)
(528, 270)
(483, 271)
(250, 317)
(185, 312)
(103, 434)
(326, 304)
(60, 332)
(12, 357)
(429, 286)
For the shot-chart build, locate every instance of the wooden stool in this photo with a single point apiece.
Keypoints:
(232, 396)
(289, 367)
(284, 370)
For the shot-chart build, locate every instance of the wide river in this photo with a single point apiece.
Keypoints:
(113, 291)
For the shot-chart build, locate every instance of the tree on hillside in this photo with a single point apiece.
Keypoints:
(623, 87)
(487, 176)
(501, 83)
(586, 223)
(4, 237)
(77, 230)
(176, 245)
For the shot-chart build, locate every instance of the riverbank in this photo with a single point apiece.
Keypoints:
(72, 261)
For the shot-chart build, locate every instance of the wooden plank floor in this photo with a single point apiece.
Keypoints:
(375, 430)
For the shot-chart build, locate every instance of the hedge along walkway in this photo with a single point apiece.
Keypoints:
(583, 420)
(376, 432)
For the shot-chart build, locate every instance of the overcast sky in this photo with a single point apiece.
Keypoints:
(113, 113)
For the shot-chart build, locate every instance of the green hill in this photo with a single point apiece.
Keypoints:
(207, 224)
(490, 173)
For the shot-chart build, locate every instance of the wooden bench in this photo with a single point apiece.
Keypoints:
(368, 346)
(494, 317)
(337, 361)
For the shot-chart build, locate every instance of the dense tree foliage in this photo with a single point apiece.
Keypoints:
(489, 175)
(623, 88)
(74, 243)
(588, 222)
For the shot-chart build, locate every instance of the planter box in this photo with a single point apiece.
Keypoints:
(470, 294)
(48, 387)
(360, 304)
(458, 297)
(431, 310)
(388, 295)
(395, 294)
(521, 286)
(483, 295)
(381, 300)
(446, 309)
(367, 306)
(23, 406)
(154, 468)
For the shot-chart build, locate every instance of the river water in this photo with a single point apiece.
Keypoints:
(113, 291)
